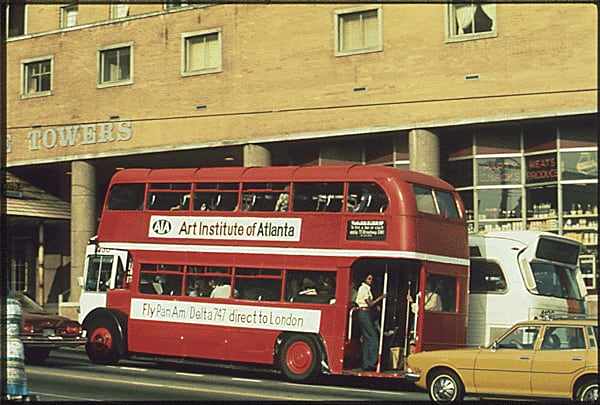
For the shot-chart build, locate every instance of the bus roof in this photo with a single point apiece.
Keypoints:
(274, 173)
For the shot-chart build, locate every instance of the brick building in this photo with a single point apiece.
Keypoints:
(499, 99)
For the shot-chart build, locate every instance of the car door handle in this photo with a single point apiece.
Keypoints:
(524, 357)
(577, 358)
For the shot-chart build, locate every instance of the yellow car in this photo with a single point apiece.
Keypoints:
(534, 359)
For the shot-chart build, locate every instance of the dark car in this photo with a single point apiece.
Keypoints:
(43, 331)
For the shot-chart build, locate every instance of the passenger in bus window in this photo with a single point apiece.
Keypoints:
(283, 202)
(183, 204)
(368, 328)
(199, 288)
(325, 291)
(308, 293)
(433, 302)
(221, 290)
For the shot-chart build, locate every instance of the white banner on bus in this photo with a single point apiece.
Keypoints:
(239, 316)
(225, 228)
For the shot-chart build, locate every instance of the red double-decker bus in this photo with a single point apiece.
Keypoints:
(260, 265)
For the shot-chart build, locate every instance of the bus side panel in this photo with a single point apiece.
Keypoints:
(454, 241)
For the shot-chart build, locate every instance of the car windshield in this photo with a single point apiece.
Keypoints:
(555, 281)
(28, 304)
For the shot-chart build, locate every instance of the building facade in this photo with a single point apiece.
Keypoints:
(499, 99)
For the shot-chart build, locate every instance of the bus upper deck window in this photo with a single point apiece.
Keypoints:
(366, 197)
(216, 196)
(126, 197)
(425, 202)
(169, 196)
(263, 196)
(447, 204)
(318, 197)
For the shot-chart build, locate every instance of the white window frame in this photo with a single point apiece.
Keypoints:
(100, 67)
(450, 17)
(119, 9)
(338, 16)
(25, 93)
(68, 14)
(185, 37)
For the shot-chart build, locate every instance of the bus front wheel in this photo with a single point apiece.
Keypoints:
(299, 359)
(103, 342)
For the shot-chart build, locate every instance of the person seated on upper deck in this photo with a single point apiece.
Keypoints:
(283, 202)
(183, 204)
(221, 290)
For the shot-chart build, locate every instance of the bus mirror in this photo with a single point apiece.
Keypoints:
(80, 281)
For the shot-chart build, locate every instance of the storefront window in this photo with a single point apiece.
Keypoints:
(499, 204)
(541, 168)
(542, 211)
(539, 138)
(498, 171)
(579, 165)
(459, 173)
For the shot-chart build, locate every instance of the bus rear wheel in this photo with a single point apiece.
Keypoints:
(103, 342)
(299, 358)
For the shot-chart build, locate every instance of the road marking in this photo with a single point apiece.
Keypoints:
(190, 374)
(177, 387)
(133, 368)
(246, 379)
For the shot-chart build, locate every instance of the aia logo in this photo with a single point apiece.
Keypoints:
(161, 227)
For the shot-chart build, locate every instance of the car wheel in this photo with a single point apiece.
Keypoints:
(36, 355)
(445, 387)
(588, 391)
(299, 358)
(103, 342)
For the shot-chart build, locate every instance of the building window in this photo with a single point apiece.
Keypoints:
(358, 31)
(119, 9)
(471, 20)
(15, 19)
(115, 65)
(68, 16)
(37, 77)
(201, 52)
(172, 4)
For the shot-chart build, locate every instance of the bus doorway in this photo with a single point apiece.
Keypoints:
(392, 318)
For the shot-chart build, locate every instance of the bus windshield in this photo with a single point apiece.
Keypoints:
(555, 280)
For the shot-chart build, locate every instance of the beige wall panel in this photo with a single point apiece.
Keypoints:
(150, 135)
(43, 17)
(281, 58)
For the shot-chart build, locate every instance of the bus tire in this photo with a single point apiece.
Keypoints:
(587, 390)
(103, 342)
(445, 387)
(299, 358)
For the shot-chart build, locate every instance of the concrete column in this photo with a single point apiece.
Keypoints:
(256, 155)
(83, 219)
(424, 152)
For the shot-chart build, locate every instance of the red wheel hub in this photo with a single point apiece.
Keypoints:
(101, 340)
(299, 357)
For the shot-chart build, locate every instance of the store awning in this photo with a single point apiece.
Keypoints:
(24, 200)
